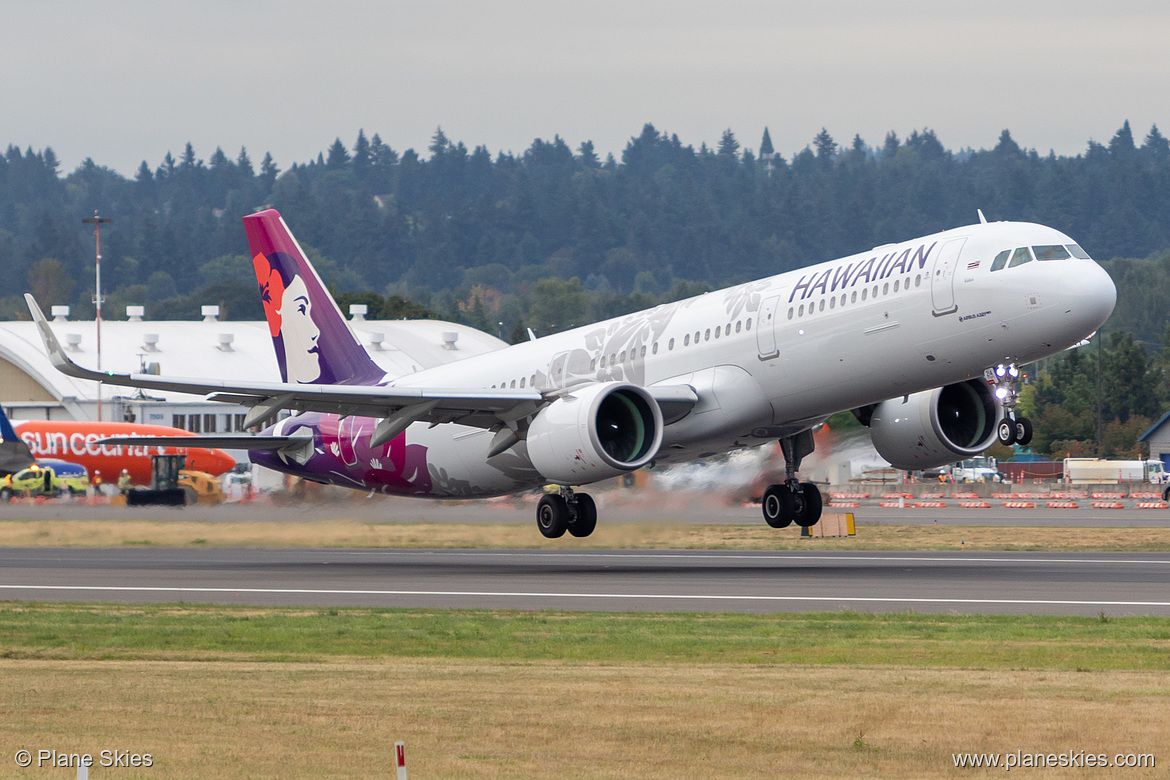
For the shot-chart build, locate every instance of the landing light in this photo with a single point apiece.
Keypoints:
(1001, 393)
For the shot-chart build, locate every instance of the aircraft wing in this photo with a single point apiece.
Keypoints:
(398, 406)
(480, 408)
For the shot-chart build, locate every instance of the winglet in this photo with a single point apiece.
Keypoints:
(57, 355)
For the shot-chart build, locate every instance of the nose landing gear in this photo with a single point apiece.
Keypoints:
(1012, 429)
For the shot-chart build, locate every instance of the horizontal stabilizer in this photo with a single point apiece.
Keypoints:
(240, 441)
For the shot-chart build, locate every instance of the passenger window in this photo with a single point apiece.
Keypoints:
(896, 285)
(833, 302)
(727, 330)
(918, 280)
(886, 288)
(748, 324)
(532, 381)
(802, 310)
(622, 359)
(864, 293)
(1054, 252)
(513, 385)
(593, 364)
(738, 323)
(522, 381)
(822, 306)
(612, 359)
(644, 350)
(717, 330)
(790, 313)
(698, 334)
(655, 349)
(1078, 253)
(1020, 256)
(687, 340)
(707, 335)
(670, 344)
(603, 361)
(853, 297)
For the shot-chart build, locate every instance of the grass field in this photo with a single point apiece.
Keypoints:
(247, 692)
(342, 532)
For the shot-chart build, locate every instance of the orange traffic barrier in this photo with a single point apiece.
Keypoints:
(975, 505)
(1019, 505)
(1108, 505)
(1062, 505)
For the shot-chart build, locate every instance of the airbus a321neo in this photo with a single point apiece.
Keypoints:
(919, 339)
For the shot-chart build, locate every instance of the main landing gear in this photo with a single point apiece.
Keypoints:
(793, 501)
(1011, 429)
(566, 511)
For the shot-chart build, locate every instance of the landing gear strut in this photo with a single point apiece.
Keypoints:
(1011, 429)
(793, 501)
(566, 511)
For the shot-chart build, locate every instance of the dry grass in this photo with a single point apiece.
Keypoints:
(470, 719)
(343, 532)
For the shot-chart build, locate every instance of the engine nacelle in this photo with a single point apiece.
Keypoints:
(599, 431)
(936, 427)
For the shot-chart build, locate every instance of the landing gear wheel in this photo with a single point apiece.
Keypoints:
(779, 506)
(552, 516)
(586, 520)
(1023, 431)
(810, 513)
(1006, 432)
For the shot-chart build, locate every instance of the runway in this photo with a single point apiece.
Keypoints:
(619, 580)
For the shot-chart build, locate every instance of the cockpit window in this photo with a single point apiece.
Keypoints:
(1054, 252)
(1000, 260)
(1078, 253)
(1020, 256)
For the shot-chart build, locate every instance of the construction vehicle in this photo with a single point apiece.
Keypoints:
(173, 485)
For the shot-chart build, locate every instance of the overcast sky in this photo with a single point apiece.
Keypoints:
(123, 81)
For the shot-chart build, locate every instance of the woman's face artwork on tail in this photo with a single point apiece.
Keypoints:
(301, 356)
(290, 317)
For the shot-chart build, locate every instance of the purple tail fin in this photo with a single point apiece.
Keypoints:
(313, 343)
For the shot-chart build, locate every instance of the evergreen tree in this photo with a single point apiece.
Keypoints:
(728, 146)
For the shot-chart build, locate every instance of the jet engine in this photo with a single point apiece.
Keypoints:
(935, 427)
(596, 432)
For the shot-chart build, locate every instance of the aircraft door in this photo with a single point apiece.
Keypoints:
(766, 325)
(557, 369)
(942, 280)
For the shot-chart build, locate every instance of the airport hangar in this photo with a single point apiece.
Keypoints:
(31, 389)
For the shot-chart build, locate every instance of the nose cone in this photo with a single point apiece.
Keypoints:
(1088, 295)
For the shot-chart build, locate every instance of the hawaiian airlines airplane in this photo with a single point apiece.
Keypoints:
(919, 339)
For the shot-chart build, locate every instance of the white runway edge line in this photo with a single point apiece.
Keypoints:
(542, 555)
(540, 595)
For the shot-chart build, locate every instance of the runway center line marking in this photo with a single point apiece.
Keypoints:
(657, 596)
(536, 555)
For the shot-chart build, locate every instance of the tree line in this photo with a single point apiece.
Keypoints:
(555, 236)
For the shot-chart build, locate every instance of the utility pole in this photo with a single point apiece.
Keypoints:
(1100, 448)
(97, 223)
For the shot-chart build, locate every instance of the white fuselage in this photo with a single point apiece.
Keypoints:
(773, 357)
